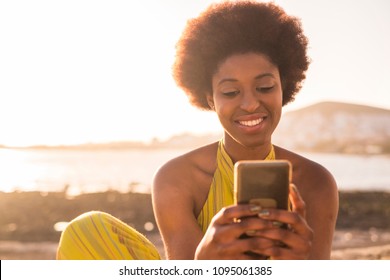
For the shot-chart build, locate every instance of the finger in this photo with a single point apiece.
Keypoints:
(249, 226)
(283, 253)
(296, 222)
(256, 244)
(263, 248)
(234, 213)
(288, 239)
(299, 238)
(241, 247)
(298, 204)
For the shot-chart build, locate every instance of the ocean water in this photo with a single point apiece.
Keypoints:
(81, 171)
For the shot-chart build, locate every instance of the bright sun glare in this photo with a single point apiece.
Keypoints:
(96, 71)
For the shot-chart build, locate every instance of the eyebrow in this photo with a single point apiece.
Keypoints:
(258, 77)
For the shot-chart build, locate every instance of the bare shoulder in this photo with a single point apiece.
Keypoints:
(316, 185)
(187, 174)
(195, 163)
(308, 175)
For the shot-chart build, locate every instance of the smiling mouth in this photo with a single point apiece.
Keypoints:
(251, 123)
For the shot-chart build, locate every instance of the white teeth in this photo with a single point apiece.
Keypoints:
(251, 123)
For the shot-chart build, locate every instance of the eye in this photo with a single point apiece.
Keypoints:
(231, 93)
(264, 89)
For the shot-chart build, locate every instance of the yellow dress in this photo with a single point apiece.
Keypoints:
(221, 190)
(99, 236)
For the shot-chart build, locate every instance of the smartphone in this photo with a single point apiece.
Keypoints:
(264, 183)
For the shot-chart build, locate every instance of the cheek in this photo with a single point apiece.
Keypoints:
(224, 112)
(278, 110)
(278, 98)
(274, 100)
(274, 103)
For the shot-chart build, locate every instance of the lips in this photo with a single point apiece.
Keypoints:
(251, 123)
(252, 120)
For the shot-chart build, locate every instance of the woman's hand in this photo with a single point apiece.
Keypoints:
(225, 239)
(293, 242)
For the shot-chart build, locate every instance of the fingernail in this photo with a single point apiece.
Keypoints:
(264, 213)
(277, 224)
(294, 188)
(251, 233)
(255, 208)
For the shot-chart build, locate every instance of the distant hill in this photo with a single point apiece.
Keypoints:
(322, 127)
(180, 141)
(187, 140)
(336, 127)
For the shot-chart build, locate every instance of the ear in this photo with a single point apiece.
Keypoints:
(210, 100)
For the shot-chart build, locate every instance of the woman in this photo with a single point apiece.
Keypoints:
(243, 60)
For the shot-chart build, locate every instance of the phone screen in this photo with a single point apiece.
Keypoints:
(265, 183)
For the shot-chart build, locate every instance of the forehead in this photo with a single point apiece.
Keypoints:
(243, 64)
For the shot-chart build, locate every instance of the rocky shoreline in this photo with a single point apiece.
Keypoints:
(30, 222)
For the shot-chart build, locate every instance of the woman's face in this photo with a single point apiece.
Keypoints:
(247, 96)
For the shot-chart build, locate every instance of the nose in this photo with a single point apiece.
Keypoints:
(250, 102)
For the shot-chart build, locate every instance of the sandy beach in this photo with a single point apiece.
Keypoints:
(30, 222)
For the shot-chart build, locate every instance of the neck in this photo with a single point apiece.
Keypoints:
(238, 151)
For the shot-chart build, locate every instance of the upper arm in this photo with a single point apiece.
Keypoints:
(173, 207)
(322, 208)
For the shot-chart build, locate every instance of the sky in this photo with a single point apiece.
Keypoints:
(92, 71)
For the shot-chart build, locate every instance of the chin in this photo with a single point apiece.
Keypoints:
(253, 143)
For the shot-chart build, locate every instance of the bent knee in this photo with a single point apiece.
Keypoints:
(79, 236)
